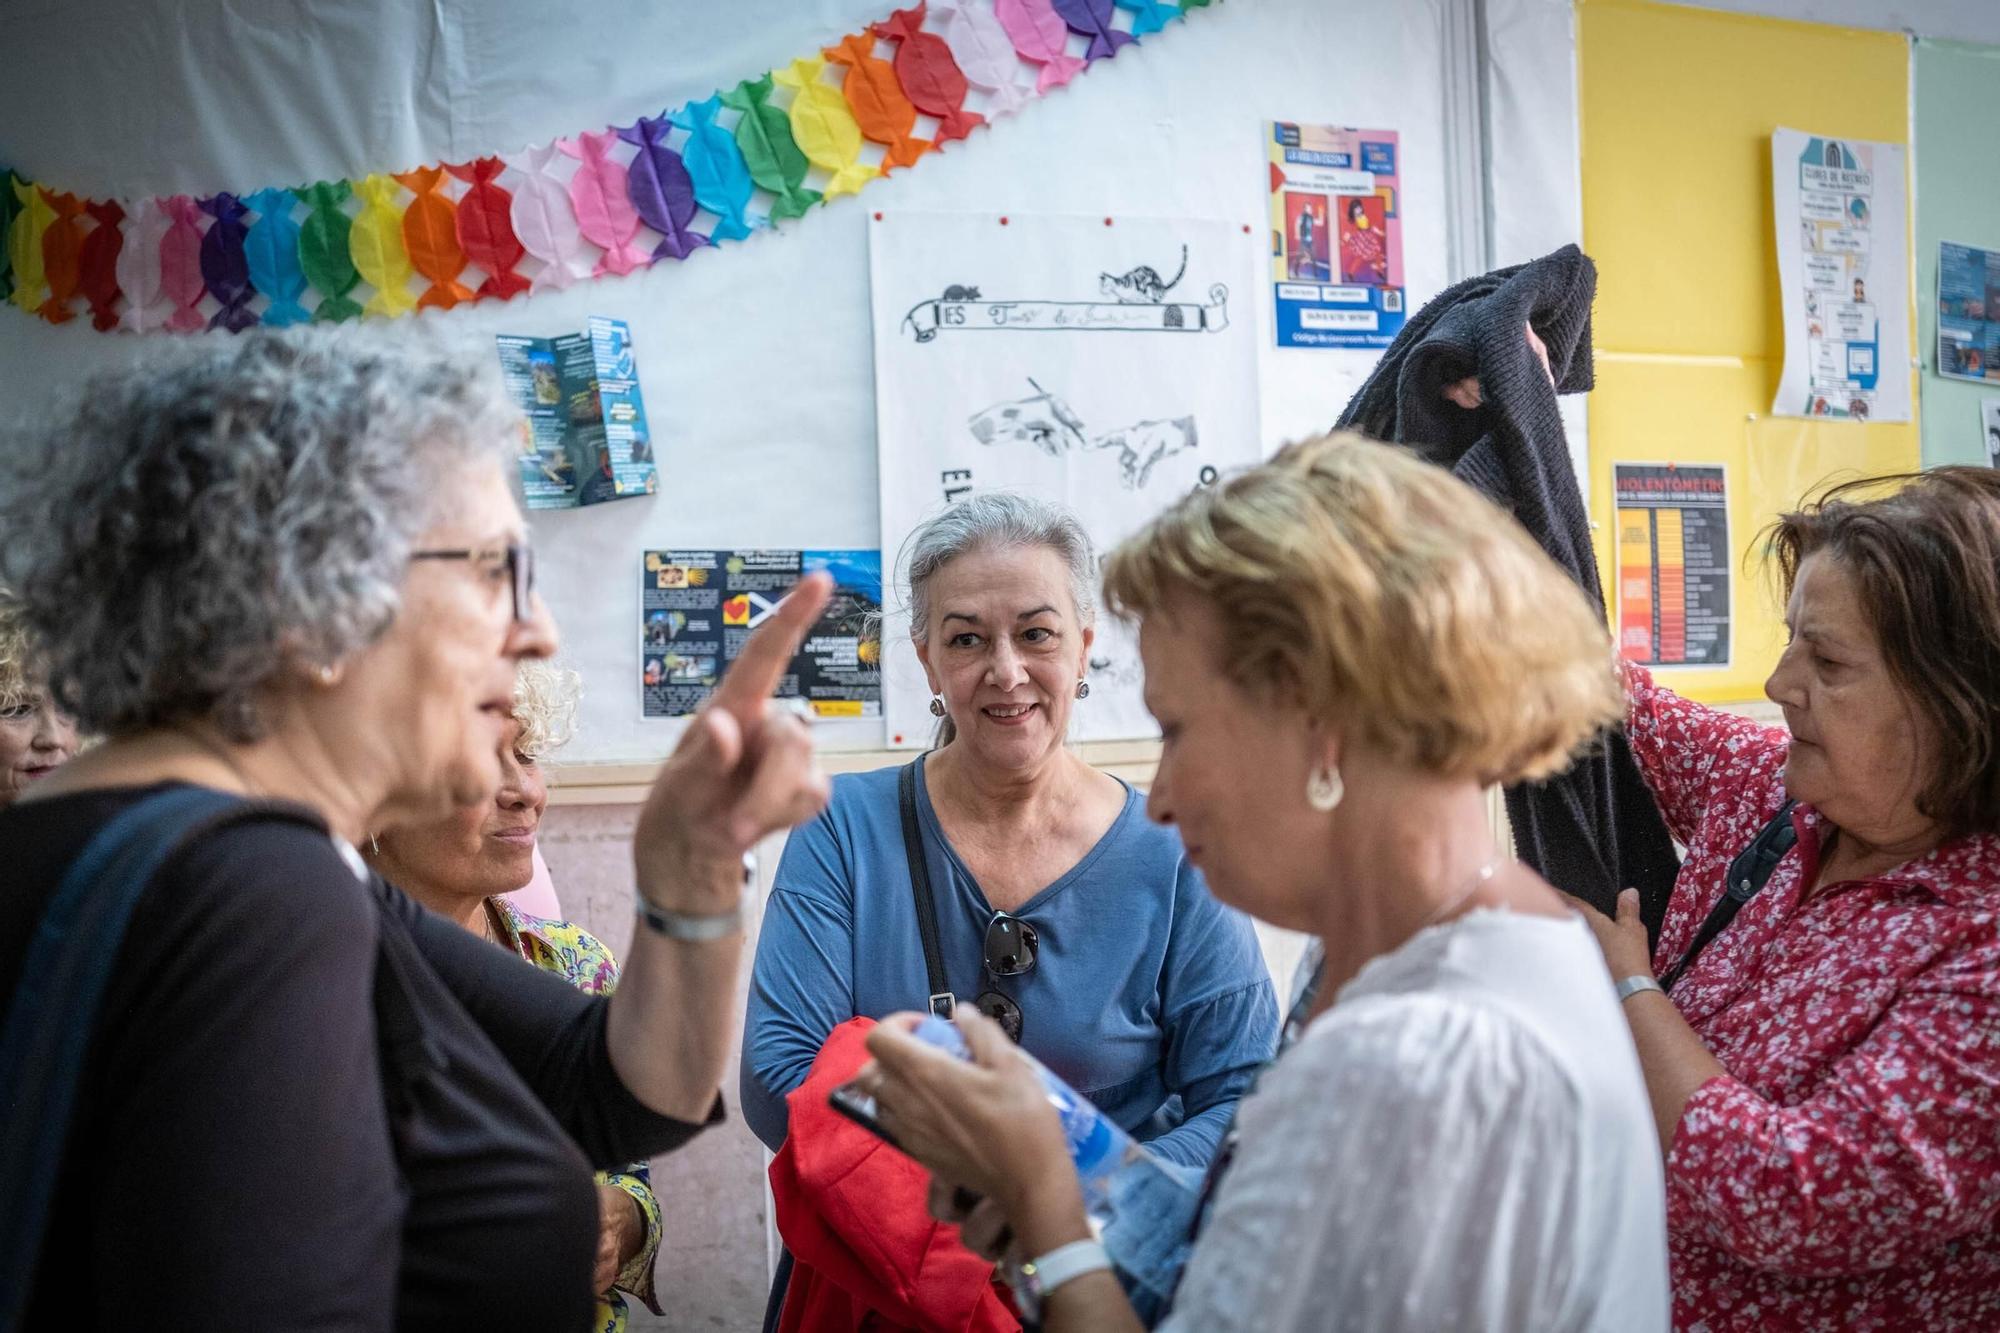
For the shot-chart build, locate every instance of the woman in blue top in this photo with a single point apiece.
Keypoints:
(1125, 976)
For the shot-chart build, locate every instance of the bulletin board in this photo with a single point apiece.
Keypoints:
(1677, 106)
(755, 358)
(1958, 200)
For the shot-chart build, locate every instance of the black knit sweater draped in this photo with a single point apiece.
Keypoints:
(1593, 829)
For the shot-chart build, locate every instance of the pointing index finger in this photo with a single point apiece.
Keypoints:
(761, 665)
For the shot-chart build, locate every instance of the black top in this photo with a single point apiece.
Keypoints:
(310, 1103)
(1592, 829)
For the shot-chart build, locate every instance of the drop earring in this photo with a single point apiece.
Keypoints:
(1324, 789)
(937, 705)
(1083, 689)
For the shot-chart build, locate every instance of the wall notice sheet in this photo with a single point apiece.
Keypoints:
(697, 609)
(1098, 367)
(1989, 417)
(586, 440)
(1336, 235)
(1674, 584)
(1843, 271)
(1968, 312)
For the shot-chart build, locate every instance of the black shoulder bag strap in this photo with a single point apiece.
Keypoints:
(920, 884)
(1748, 874)
(52, 1013)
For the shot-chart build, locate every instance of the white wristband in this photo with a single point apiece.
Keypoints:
(685, 927)
(1063, 1264)
(1633, 985)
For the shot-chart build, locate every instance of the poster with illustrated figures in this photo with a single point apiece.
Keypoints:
(1105, 364)
(1843, 270)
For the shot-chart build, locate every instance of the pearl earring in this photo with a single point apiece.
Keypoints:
(937, 706)
(1324, 789)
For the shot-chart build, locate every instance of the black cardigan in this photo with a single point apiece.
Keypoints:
(1593, 829)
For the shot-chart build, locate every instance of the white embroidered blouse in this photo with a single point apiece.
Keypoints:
(1462, 1141)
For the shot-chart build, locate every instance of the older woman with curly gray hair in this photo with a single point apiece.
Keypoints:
(285, 576)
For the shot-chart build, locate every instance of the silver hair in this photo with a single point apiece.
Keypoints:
(192, 528)
(996, 519)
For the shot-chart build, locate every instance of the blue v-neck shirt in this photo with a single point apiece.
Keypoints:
(1147, 995)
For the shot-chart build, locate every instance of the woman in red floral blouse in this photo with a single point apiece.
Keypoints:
(1826, 1074)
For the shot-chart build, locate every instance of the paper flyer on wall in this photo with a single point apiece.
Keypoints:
(1989, 420)
(586, 439)
(1674, 584)
(697, 609)
(1843, 272)
(1968, 299)
(1336, 234)
(1097, 366)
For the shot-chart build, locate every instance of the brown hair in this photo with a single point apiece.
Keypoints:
(1389, 598)
(1927, 559)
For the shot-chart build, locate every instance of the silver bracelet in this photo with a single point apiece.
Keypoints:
(1636, 985)
(686, 926)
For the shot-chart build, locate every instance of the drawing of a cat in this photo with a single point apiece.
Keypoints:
(1142, 286)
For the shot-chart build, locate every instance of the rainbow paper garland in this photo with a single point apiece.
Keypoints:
(595, 204)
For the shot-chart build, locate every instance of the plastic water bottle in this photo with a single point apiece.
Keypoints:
(1138, 1206)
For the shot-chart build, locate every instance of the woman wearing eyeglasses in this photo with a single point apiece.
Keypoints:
(286, 577)
(1061, 912)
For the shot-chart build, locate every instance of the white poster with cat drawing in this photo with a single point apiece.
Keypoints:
(1106, 364)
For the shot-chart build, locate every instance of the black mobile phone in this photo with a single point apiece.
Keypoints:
(858, 1106)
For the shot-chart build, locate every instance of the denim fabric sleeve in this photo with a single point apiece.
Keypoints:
(1221, 1018)
(802, 984)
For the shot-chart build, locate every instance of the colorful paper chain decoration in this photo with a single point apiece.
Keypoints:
(337, 250)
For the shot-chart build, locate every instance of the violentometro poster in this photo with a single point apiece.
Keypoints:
(1843, 270)
(586, 440)
(1107, 368)
(1336, 235)
(1968, 312)
(697, 609)
(1673, 564)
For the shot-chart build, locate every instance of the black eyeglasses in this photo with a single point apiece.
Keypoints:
(520, 558)
(1009, 952)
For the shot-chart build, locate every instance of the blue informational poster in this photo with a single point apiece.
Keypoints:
(585, 440)
(1336, 235)
(1968, 312)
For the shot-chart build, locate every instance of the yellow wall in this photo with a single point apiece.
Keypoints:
(1677, 109)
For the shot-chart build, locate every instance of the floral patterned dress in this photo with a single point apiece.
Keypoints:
(1846, 1173)
(581, 959)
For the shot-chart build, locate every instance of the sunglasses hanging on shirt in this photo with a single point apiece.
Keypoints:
(1010, 944)
(1009, 952)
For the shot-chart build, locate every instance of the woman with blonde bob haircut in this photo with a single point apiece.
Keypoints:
(1343, 647)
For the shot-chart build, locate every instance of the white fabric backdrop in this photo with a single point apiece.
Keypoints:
(754, 360)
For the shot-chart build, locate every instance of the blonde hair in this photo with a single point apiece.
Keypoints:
(17, 676)
(1390, 600)
(545, 700)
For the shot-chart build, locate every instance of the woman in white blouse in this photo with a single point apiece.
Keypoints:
(1343, 648)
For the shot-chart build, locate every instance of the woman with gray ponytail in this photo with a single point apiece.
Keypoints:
(1058, 909)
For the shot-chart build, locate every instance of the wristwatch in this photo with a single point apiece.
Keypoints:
(1065, 1263)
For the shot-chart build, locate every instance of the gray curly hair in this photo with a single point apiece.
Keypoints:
(996, 519)
(193, 527)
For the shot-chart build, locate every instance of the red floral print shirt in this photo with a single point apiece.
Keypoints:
(1846, 1173)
